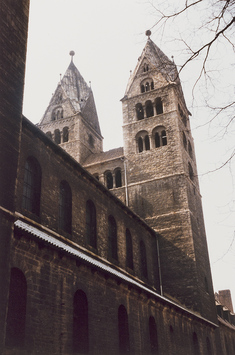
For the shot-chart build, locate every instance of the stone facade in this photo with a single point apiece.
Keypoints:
(107, 257)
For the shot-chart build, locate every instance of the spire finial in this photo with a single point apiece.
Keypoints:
(148, 33)
(72, 53)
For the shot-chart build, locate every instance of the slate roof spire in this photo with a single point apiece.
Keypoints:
(75, 96)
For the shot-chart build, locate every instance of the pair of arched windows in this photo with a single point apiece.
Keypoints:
(58, 137)
(147, 86)
(57, 114)
(159, 138)
(149, 109)
(113, 180)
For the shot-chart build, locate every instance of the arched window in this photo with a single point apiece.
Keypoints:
(146, 141)
(146, 67)
(16, 315)
(57, 136)
(208, 346)
(142, 88)
(65, 134)
(109, 180)
(160, 137)
(65, 207)
(153, 335)
(129, 250)
(149, 108)
(159, 107)
(118, 178)
(48, 134)
(91, 224)
(190, 169)
(143, 260)
(190, 151)
(142, 141)
(152, 85)
(139, 112)
(196, 349)
(123, 330)
(32, 186)
(112, 237)
(80, 323)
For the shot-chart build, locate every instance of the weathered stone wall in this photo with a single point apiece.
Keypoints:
(13, 40)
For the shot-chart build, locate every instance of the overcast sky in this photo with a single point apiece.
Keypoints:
(108, 37)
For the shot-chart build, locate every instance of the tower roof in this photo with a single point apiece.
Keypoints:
(74, 96)
(157, 60)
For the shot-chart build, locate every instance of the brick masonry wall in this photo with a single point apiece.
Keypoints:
(13, 39)
(52, 280)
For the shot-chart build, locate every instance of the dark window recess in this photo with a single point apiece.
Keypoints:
(164, 137)
(159, 107)
(57, 136)
(190, 169)
(65, 134)
(190, 151)
(196, 349)
(208, 346)
(157, 140)
(123, 330)
(140, 144)
(32, 186)
(80, 323)
(184, 141)
(112, 237)
(143, 260)
(147, 87)
(65, 207)
(152, 85)
(142, 88)
(153, 335)
(109, 180)
(129, 250)
(16, 315)
(147, 144)
(91, 224)
(149, 109)
(118, 178)
(139, 112)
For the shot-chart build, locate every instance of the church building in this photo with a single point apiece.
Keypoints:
(103, 252)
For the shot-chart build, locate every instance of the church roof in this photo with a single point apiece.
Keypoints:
(157, 59)
(104, 156)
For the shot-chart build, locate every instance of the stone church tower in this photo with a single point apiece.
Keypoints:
(71, 119)
(155, 173)
(162, 180)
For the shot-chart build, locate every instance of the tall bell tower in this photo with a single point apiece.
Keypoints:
(71, 119)
(162, 180)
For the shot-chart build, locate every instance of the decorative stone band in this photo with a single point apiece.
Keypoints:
(101, 265)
